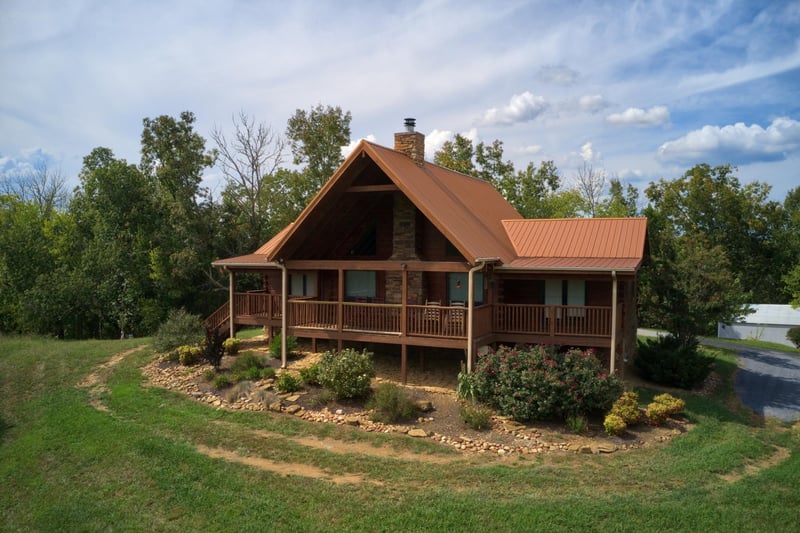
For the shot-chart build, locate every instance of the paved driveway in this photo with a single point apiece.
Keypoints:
(768, 381)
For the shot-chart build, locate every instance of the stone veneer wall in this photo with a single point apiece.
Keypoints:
(404, 241)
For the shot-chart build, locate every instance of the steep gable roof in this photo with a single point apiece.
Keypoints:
(466, 210)
(578, 243)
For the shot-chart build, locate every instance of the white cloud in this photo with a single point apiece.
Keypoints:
(346, 150)
(532, 149)
(521, 108)
(587, 153)
(655, 116)
(592, 103)
(558, 74)
(436, 139)
(736, 144)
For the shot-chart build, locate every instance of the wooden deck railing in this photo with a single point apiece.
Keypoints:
(424, 320)
(553, 320)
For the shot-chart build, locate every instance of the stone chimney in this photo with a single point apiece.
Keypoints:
(410, 142)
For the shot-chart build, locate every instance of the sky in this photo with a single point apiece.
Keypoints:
(639, 90)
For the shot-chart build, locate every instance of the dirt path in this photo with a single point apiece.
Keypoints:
(96, 381)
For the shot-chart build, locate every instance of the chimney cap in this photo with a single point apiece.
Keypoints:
(410, 123)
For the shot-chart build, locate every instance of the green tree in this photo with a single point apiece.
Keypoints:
(316, 138)
(173, 160)
(710, 203)
(457, 155)
(621, 201)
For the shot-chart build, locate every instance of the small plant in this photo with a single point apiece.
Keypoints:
(346, 374)
(466, 387)
(189, 355)
(310, 374)
(275, 345)
(179, 329)
(657, 413)
(209, 374)
(793, 335)
(231, 345)
(324, 397)
(390, 404)
(627, 408)
(288, 382)
(247, 360)
(239, 391)
(577, 424)
(675, 406)
(267, 372)
(614, 425)
(476, 416)
(222, 381)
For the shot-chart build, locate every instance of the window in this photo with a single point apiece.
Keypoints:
(458, 290)
(359, 284)
(566, 292)
(303, 284)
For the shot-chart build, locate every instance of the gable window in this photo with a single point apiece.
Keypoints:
(359, 284)
(303, 284)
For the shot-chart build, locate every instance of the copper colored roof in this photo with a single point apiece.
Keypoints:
(260, 258)
(578, 243)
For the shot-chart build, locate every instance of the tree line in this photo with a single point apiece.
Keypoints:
(133, 241)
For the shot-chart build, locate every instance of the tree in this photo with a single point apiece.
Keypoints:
(710, 203)
(316, 138)
(457, 155)
(43, 186)
(591, 184)
(621, 202)
(173, 160)
(248, 161)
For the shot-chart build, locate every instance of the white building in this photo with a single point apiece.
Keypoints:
(768, 323)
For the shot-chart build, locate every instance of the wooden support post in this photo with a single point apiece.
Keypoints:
(231, 298)
(403, 363)
(613, 322)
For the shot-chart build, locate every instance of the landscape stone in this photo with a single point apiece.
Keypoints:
(416, 432)
(293, 409)
(276, 406)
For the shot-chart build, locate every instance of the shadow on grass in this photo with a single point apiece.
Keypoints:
(4, 428)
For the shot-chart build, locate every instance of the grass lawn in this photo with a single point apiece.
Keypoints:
(137, 463)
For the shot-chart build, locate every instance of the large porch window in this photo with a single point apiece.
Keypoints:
(359, 284)
(303, 284)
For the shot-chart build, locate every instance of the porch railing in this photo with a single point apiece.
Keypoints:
(427, 320)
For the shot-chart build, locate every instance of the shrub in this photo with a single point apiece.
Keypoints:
(675, 406)
(476, 416)
(657, 413)
(239, 391)
(794, 335)
(287, 382)
(538, 383)
(246, 361)
(627, 408)
(614, 425)
(189, 355)
(310, 374)
(222, 380)
(267, 372)
(275, 345)
(577, 424)
(670, 361)
(209, 374)
(231, 345)
(212, 348)
(390, 404)
(179, 329)
(346, 374)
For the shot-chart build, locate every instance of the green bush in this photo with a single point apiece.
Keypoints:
(540, 383)
(310, 374)
(390, 404)
(209, 374)
(476, 416)
(657, 413)
(669, 361)
(288, 382)
(794, 335)
(275, 345)
(577, 424)
(346, 374)
(222, 380)
(246, 361)
(189, 355)
(627, 408)
(231, 345)
(179, 329)
(466, 386)
(675, 406)
(614, 425)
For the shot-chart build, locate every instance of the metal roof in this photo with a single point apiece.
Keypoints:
(477, 220)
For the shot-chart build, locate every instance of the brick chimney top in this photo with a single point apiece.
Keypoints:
(410, 142)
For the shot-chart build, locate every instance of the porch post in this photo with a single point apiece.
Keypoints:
(284, 321)
(231, 306)
(340, 310)
(613, 321)
(403, 347)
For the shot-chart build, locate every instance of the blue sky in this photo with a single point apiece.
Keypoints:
(642, 90)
